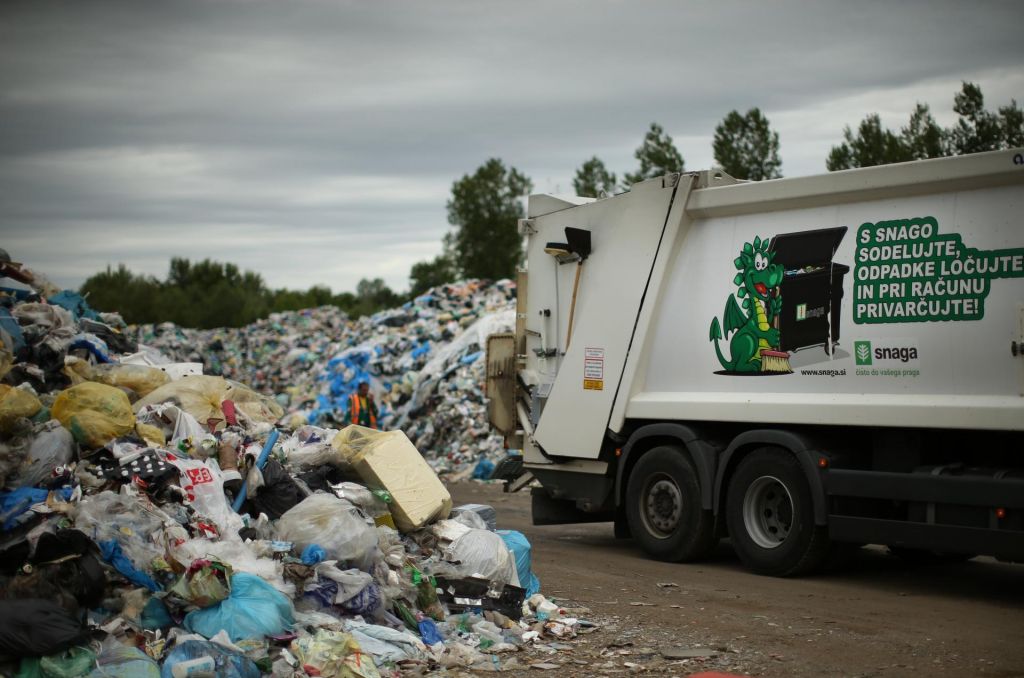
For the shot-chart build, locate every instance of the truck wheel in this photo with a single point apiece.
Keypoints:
(663, 507)
(770, 515)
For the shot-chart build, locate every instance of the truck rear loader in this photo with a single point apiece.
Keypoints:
(797, 364)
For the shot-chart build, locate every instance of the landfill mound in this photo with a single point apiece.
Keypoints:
(157, 520)
(423, 362)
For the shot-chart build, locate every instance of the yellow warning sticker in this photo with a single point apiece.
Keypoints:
(593, 384)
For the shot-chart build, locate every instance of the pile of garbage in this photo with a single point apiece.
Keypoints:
(159, 521)
(423, 362)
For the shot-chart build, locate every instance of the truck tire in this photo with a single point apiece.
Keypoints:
(663, 507)
(770, 514)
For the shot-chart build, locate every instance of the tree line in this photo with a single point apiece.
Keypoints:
(484, 207)
(208, 294)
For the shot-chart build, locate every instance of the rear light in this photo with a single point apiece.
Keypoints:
(1000, 513)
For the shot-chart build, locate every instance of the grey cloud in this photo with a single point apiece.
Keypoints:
(189, 117)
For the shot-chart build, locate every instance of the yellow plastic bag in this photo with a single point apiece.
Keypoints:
(151, 434)
(94, 413)
(142, 379)
(14, 404)
(335, 655)
(202, 395)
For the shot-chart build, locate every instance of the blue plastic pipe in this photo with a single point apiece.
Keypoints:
(260, 463)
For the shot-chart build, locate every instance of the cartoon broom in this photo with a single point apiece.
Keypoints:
(771, 360)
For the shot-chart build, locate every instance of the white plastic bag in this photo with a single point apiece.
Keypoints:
(480, 553)
(204, 484)
(332, 523)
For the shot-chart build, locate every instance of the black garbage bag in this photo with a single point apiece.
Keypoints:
(71, 561)
(279, 493)
(34, 628)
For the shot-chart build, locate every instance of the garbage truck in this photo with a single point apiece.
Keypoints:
(803, 366)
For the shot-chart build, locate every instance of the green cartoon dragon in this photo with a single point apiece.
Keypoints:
(758, 281)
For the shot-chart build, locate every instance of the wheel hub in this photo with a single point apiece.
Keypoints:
(768, 512)
(662, 506)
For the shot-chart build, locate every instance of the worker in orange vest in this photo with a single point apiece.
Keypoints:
(361, 408)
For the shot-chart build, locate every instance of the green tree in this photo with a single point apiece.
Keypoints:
(1012, 121)
(593, 178)
(977, 130)
(923, 138)
(871, 145)
(427, 274)
(746, 147)
(375, 295)
(657, 156)
(484, 209)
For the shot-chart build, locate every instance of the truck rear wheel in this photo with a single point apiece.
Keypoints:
(770, 515)
(663, 507)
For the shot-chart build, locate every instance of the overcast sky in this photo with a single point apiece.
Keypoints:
(316, 142)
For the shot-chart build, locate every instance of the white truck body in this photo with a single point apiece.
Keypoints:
(896, 300)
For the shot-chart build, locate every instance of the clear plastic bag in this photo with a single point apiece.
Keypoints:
(94, 413)
(334, 524)
(51, 447)
(129, 521)
(117, 660)
(15, 404)
(225, 663)
(479, 553)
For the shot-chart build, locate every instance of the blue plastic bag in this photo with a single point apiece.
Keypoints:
(429, 632)
(253, 610)
(483, 470)
(16, 502)
(113, 554)
(519, 545)
(313, 554)
(227, 664)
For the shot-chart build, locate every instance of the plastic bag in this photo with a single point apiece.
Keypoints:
(253, 610)
(310, 447)
(94, 413)
(479, 553)
(130, 521)
(139, 378)
(51, 447)
(279, 492)
(202, 397)
(334, 655)
(117, 660)
(205, 583)
(334, 524)
(520, 547)
(33, 628)
(386, 645)
(175, 423)
(242, 556)
(486, 513)
(204, 484)
(14, 404)
(224, 663)
(74, 662)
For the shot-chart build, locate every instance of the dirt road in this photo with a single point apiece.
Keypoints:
(878, 616)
